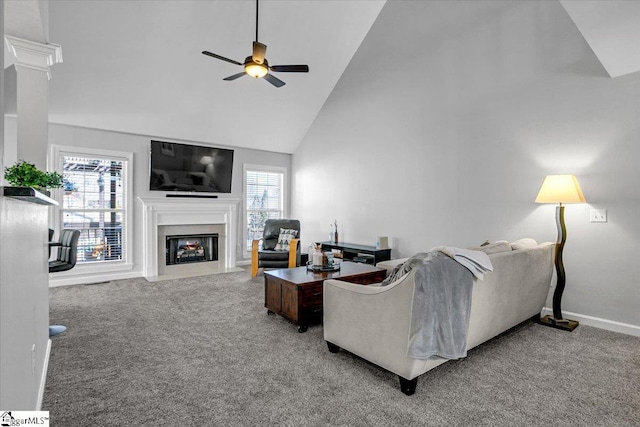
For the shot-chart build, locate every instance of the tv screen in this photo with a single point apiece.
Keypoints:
(182, 167)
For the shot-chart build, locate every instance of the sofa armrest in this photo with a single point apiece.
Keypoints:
(255, 244)
(372, 322)
(293, 253)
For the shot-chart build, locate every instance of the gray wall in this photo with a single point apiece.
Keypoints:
(139, 145)
(444, 125)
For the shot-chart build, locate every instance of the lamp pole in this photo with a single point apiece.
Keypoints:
(561, 278)
(556, 321)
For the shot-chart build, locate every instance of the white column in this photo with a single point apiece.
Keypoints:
(1, 95)
(32, 62)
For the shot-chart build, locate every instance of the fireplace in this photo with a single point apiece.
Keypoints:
(162, 218)
(182, 249)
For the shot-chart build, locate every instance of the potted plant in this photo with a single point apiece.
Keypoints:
(24, 174)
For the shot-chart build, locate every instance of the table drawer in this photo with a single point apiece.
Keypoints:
(311, 303)
(312, 292)
(312, 312)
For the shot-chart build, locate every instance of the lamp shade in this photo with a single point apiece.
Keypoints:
(560, 189)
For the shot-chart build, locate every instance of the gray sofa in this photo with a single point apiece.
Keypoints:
(374, 322)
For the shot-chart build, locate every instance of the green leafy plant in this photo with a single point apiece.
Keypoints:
(24, 174)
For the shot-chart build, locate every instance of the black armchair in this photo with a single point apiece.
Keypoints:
(268, 256)
(67, 251)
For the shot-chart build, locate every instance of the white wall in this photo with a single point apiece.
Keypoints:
(9, 150)
(24, 304)
(24, 295)
(32, 117)
(139, 145)
(2, 95)
(444, 125)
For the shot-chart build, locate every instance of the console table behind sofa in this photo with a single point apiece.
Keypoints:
(351, 252)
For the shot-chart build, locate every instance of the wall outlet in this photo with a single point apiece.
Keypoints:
(598, 215)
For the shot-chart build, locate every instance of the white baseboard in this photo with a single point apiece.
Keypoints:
(43, 377)
(609, 325)
(89, 278)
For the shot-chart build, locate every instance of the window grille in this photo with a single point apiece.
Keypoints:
(264, 191)
(94, 202)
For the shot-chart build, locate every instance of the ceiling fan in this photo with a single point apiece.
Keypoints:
(257, 65)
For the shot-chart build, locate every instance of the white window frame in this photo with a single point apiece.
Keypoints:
(285, 192)
(126, 264)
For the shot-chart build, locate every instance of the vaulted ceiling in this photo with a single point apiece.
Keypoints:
(136, 66)
(612, 29)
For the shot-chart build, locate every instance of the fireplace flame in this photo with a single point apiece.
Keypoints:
(191, 246)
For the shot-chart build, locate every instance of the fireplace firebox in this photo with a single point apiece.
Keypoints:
(191, 248)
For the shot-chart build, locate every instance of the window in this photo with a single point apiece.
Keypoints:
(95, 201)
(264, 191)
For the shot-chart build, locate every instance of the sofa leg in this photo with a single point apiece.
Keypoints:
(408, 387)
(332, 347)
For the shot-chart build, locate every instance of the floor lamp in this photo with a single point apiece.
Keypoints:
(560, 189)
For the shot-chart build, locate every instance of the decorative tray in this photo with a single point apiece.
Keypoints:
(318, 268)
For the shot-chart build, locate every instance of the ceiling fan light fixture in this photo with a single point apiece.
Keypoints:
(256, 70)
(257, 66)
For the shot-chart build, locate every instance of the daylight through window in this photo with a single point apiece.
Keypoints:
(264, 191)
(94, 202)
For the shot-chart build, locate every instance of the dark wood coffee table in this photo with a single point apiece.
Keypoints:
(296, 293)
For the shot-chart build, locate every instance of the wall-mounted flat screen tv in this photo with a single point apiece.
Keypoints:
(182, 167)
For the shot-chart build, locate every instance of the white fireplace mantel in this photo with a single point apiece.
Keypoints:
(157, 212)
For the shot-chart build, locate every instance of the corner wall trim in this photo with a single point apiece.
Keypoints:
(597, 322)
(43, 378)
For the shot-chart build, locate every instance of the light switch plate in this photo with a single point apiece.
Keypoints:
(598, 215)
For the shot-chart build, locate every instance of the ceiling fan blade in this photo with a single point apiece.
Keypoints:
(235, 76)
(220, 57)
(274, 80)
(290, 68)
(259, 51)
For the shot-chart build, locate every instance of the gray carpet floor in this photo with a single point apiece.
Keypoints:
(203, 352)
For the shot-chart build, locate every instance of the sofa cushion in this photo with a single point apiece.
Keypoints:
(273, 256)
(286, 234)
